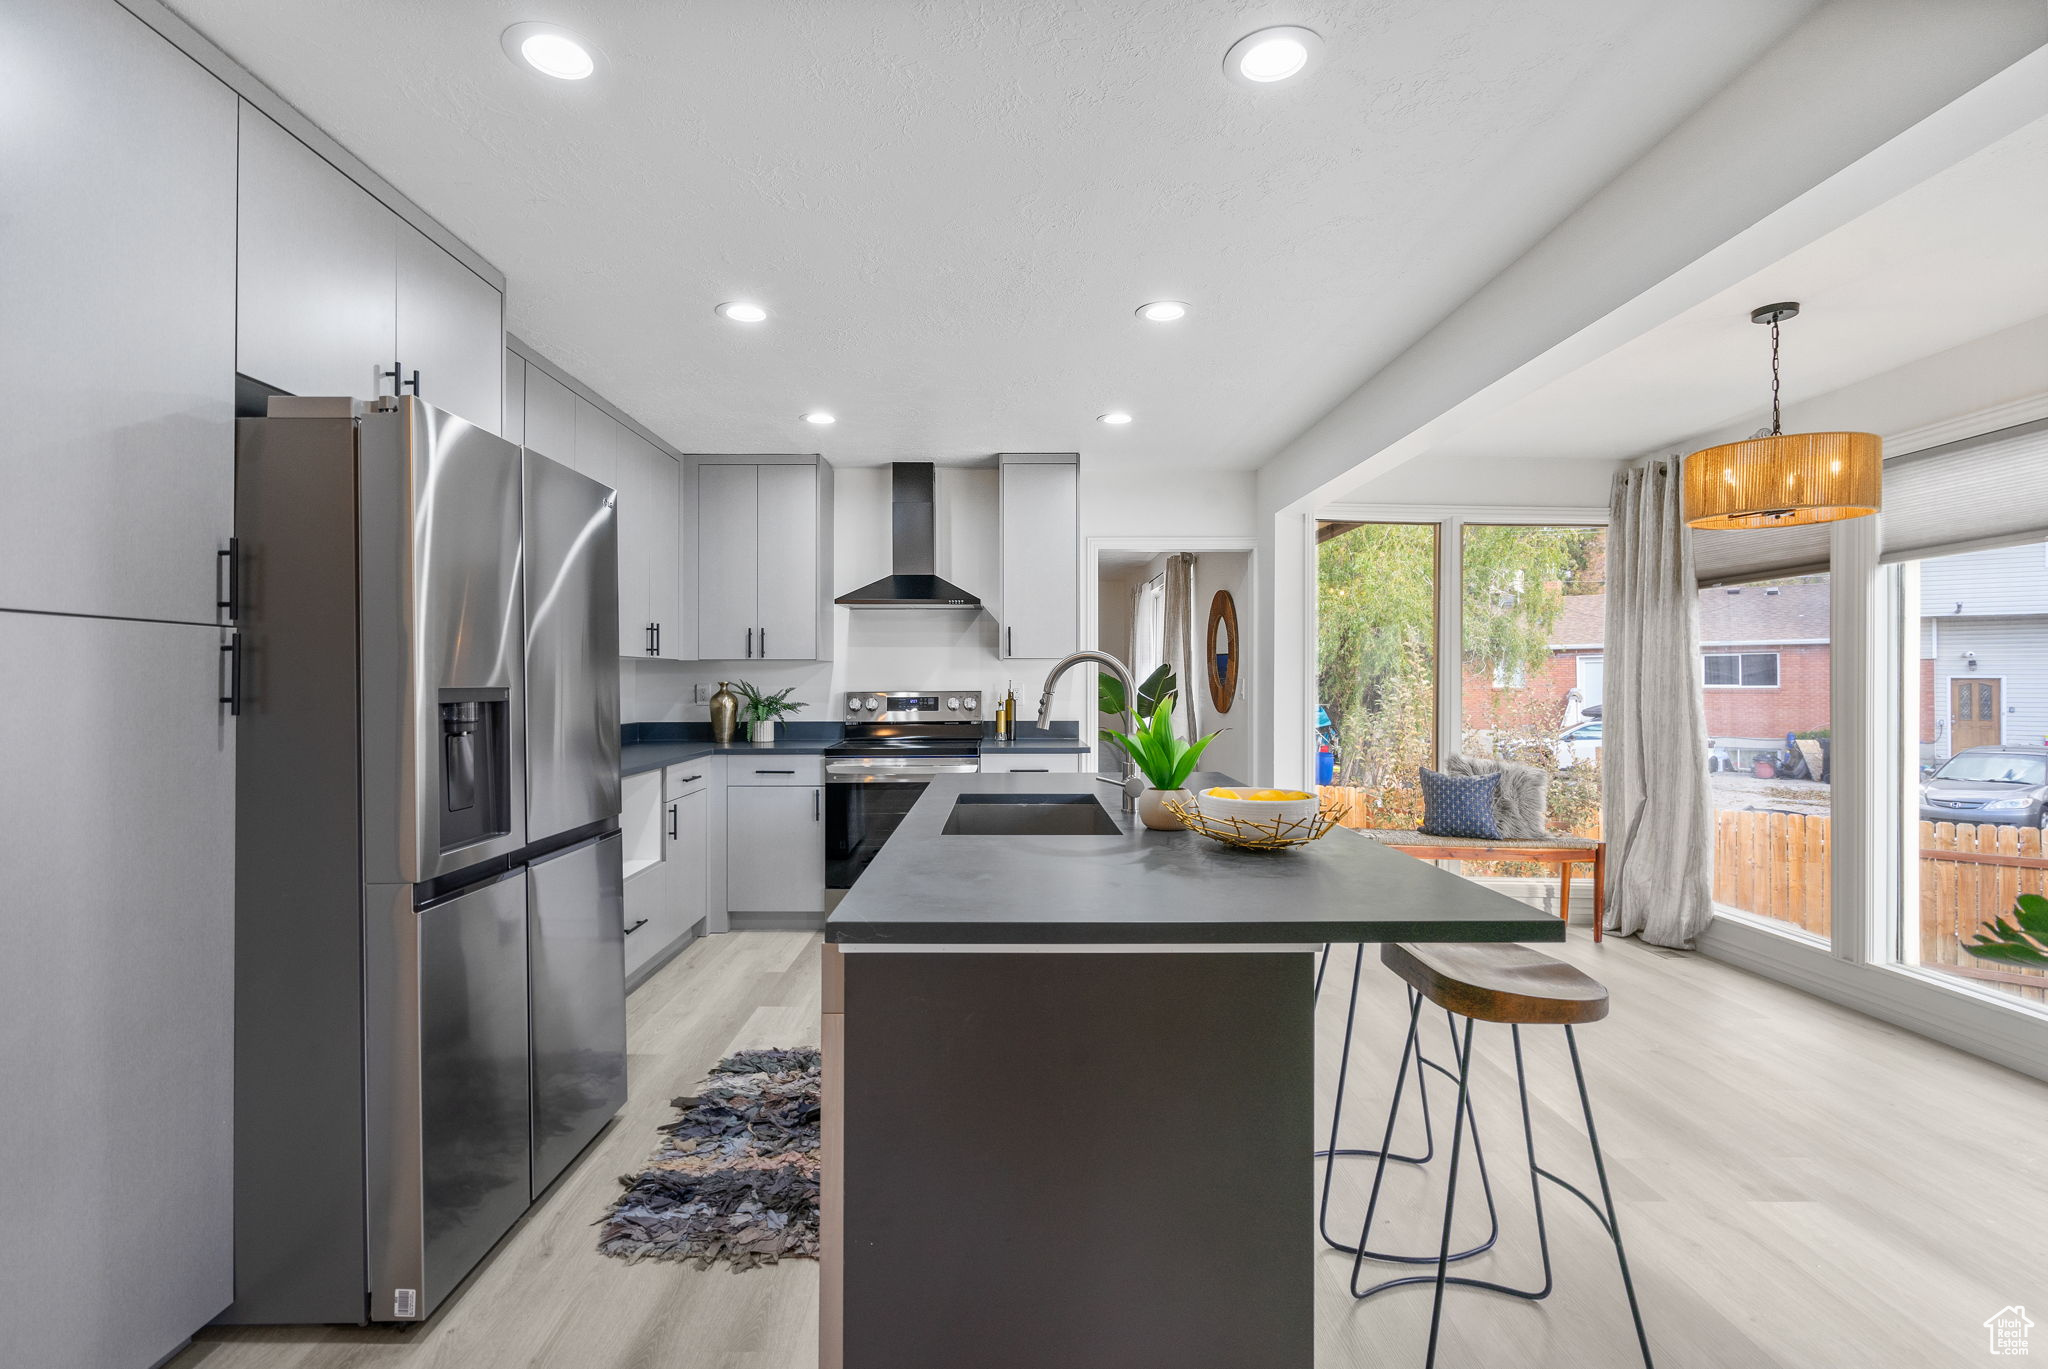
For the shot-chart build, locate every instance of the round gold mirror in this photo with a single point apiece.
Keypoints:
(1222, 653)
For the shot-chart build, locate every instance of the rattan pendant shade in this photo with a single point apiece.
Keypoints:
(1779, 479)
(1784, 481)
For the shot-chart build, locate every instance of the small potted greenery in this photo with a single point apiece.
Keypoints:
(1164, 760)
(761, 710)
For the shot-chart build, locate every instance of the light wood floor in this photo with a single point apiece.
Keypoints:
(1794, 1183)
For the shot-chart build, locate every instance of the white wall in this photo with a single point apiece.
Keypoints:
(1493, 482)
(945, 649)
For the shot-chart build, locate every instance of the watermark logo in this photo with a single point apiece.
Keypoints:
(2007, 1330)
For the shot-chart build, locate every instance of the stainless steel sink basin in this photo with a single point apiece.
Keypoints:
(1029, 815)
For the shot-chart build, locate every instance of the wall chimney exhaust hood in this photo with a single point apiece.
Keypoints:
(913, 581)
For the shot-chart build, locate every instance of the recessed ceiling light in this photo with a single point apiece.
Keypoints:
(1271, 55)
(740, 312)
(1162, 311)
(1116, 418)
(819, 417)
(550, 50)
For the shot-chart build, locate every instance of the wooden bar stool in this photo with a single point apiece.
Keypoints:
(1519, 987)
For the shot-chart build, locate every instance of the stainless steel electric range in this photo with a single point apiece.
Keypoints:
(896, 742)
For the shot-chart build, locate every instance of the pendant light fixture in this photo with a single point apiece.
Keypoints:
(1779, 479)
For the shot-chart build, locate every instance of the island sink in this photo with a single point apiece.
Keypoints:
(1029, 815)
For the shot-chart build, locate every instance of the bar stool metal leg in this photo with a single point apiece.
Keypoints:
(1613, 1222)
(1411, 1050)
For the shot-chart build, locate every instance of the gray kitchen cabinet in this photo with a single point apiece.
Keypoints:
(513, 426)
(786, 590)
(117, 319)
(117, 823)
(727, 545)
(551, 418)
(650, 914)
(774, 848)
(317, 271)
(334, 291)
(597, 443)
(650, 539)
(688, 854)
(763, 557)
(1040, 522)
(450, 331)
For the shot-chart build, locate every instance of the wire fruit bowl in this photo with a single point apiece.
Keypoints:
(1257, 834)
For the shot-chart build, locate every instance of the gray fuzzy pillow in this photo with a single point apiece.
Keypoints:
(1521, 804)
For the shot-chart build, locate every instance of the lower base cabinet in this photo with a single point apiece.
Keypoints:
(775, 848)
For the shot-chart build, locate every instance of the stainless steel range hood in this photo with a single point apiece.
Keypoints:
(913, 581)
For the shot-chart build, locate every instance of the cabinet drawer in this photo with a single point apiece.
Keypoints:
(687, 778)
(804, 770)
(1048, 763)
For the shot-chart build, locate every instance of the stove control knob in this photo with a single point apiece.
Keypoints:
(970, 702)
(953, 702)
(873, 703)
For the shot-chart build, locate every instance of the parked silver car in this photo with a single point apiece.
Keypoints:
(2003, 785)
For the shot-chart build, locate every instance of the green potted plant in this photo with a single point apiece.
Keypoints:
(1164, 760)
(761, 710)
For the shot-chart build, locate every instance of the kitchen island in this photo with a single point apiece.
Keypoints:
(1070, 1076)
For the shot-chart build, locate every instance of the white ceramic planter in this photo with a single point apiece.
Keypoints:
(1152, 810)
(762, 733)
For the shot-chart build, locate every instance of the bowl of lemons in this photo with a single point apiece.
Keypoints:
(1265, 819)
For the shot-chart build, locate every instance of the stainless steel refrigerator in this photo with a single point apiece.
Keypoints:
(430, 1003)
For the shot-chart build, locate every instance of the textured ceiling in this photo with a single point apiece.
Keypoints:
(1958, 257)
(953, 206)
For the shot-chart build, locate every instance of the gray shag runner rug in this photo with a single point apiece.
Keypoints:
(736, 1178)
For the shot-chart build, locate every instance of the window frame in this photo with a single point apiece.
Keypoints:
(1739, 657)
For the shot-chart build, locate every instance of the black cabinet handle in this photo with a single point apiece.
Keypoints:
(750, 644)
(230, 578)
(817, 805)
(671, 822)
(764, 643)
(233, 651)
(1009, 641)
(690, 779)
(775, 772)
(415, 383)
(636, 926)
(657, 640)
(396, 376)
(1030, 770)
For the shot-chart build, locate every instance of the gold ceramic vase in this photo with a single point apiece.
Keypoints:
(725, 715)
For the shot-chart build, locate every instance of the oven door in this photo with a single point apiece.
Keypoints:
(865, 798)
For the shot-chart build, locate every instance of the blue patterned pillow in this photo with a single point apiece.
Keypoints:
(1459, 805)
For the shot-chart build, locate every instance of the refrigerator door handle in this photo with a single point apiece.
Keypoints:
(232, 650)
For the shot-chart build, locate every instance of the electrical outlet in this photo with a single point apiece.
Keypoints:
(700, 693)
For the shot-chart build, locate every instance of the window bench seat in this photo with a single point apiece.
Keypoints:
(1557, 849)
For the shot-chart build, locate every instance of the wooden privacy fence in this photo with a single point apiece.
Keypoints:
(1776, 865)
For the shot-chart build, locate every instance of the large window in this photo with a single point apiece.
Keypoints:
(1532, 623)
(1522, 611)
(1768, 661)
(1974, 722)
(1376, 646)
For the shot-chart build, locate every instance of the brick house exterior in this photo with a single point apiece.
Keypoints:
(1780, 633)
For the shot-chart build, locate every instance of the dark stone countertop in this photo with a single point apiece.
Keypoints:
(1162, 888)
(635, 757)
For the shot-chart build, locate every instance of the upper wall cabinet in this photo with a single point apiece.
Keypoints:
(117, 318)
(763, 557)
(451, 331)
(650, 549)
(335, 291)
(557, 422)
(1041, 553)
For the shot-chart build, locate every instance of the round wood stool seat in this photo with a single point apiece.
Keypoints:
(1498, 982)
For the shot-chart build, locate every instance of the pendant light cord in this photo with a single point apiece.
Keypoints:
(1777, 427)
